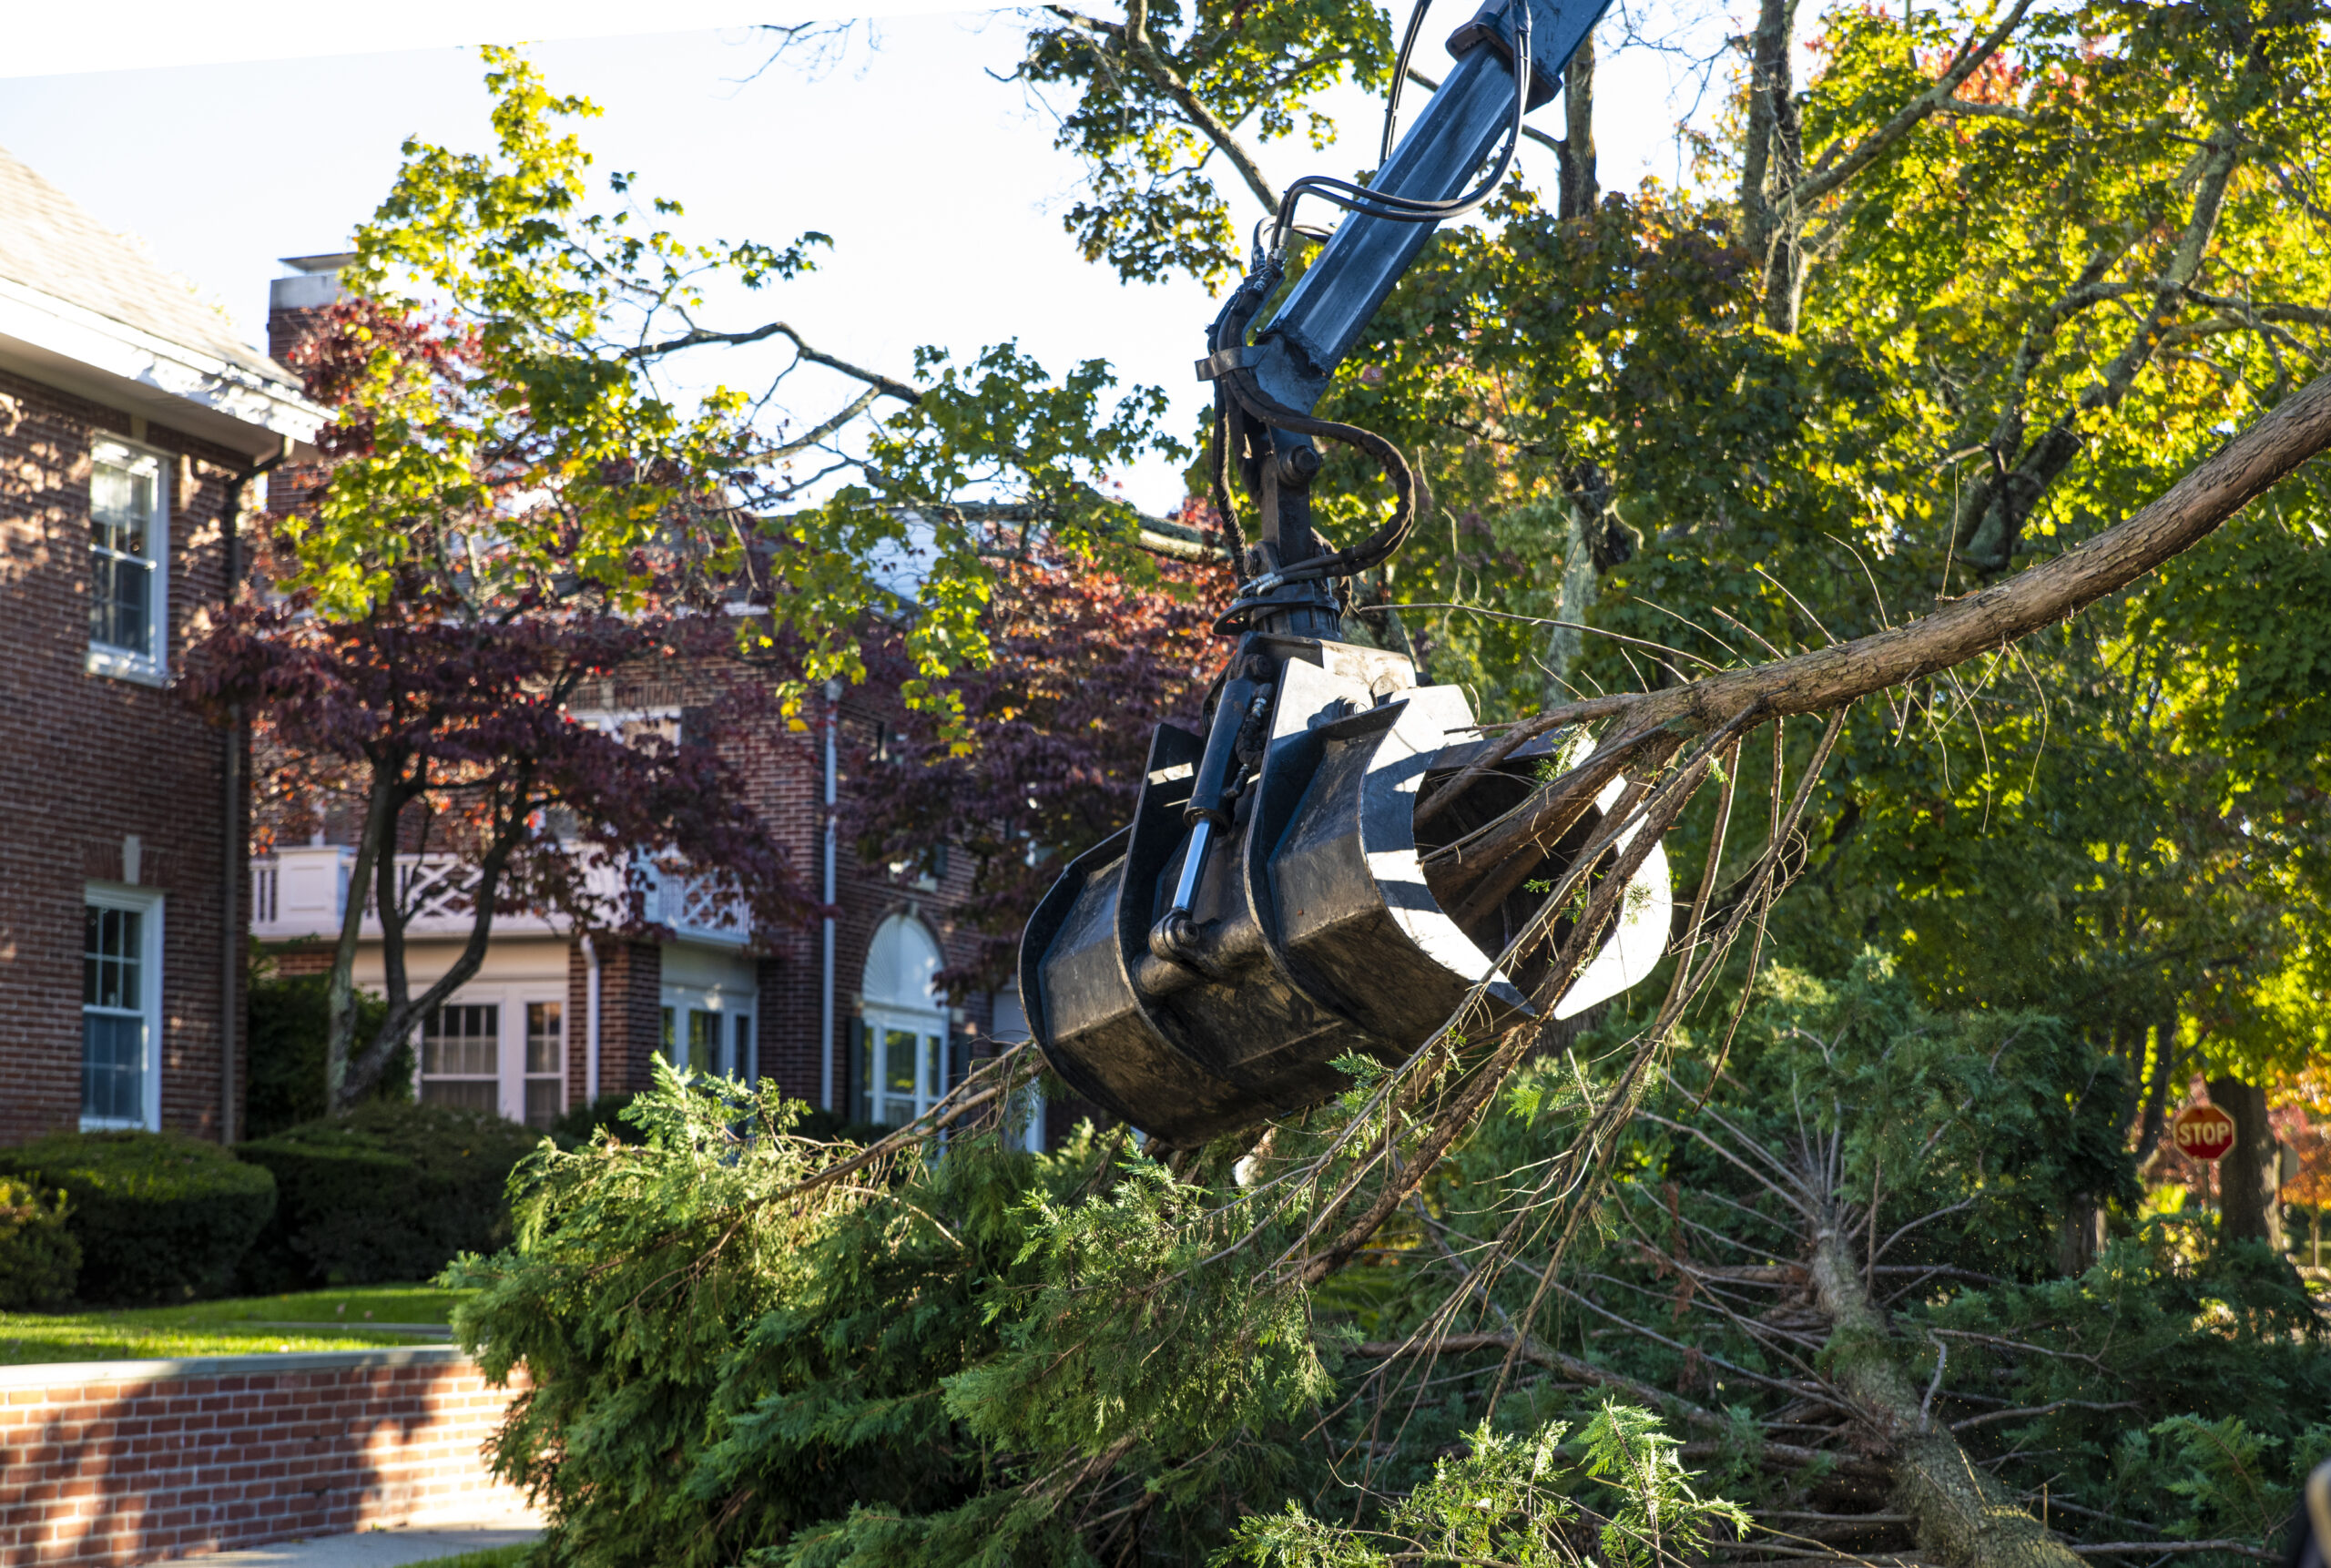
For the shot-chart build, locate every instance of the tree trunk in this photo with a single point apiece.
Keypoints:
(2248, 1208)
(1963, 1515)
(1579, 188)
(2079, 1236)
(376, 841)
(1773, 159)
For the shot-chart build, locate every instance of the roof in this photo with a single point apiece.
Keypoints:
(48, 241)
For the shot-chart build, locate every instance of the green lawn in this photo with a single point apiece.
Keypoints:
(240, 1325)
(497, 1557)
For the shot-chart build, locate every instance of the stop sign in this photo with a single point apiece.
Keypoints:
(2203, 1132)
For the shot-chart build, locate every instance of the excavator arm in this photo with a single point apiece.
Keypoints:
(1271, 908)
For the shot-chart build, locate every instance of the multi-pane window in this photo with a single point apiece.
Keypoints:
(901, 1070)
(126, 551)
(461, 1057)
(114, 995)
(545, 1063)
(699, 1039)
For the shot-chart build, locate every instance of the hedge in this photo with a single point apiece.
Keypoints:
(386, 1192)
(160, 1217)
(39, 1259)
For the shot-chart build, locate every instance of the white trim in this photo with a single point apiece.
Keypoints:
(151, 666)
(145, 902)
(591, 1022)
(67, 1374)
(924, 1017)
(1008, 1025)
(127, 367)
(509, 1000)
(828, 1046)
(725, 1004)
(929, 1031)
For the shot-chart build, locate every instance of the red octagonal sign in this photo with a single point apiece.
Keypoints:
(2204, 1132)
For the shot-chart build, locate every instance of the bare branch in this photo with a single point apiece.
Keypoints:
(2240, 1548)
(696, 337)
(1990, 1416)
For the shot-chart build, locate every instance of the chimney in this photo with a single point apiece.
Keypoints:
(313, 286)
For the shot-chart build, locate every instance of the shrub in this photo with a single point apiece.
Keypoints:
(290, 1017)
(389, 1191)
(585, 1122)
(39, 1259)
(160, 1217)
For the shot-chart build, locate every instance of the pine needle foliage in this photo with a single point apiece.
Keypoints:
(914, 1364)
(1515, 1500)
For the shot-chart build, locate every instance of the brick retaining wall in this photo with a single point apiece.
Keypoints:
(113, 1463)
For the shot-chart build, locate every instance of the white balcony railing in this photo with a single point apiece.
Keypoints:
(302, 892)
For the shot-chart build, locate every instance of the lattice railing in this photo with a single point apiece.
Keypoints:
(439, 891)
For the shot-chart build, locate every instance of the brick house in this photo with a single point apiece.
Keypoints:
(843, 1014)
(133, 427)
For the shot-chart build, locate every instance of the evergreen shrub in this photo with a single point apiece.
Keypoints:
(289, 1019)
(39, 1259)
(866, 1369)
(158, 1217)
(387, 1192)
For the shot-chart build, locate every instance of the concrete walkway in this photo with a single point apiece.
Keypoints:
(372, 1548)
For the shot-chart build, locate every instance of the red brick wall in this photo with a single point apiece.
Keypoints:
(104, 1467)
(91, 760)
(631, 1013)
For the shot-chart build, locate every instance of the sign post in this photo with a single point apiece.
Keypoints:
(2203, 1133)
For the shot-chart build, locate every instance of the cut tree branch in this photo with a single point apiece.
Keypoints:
(2253, 461)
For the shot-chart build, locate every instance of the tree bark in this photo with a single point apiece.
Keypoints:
(1579, 188)
(2248, 1206)
(1774, 158)
(376, 843)
(1963, 1515)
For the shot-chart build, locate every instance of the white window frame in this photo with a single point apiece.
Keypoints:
(147, 903)
(929, 1029)
(511, 1001)
(923, 1016)
(725, 1006)
(1008, 1025)
(149, 667)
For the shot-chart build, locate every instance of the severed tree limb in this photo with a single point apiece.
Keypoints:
(2299, 429)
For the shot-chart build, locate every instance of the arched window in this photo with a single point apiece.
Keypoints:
(901, 1066)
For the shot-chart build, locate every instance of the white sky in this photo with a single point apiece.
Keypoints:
(939, 185)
